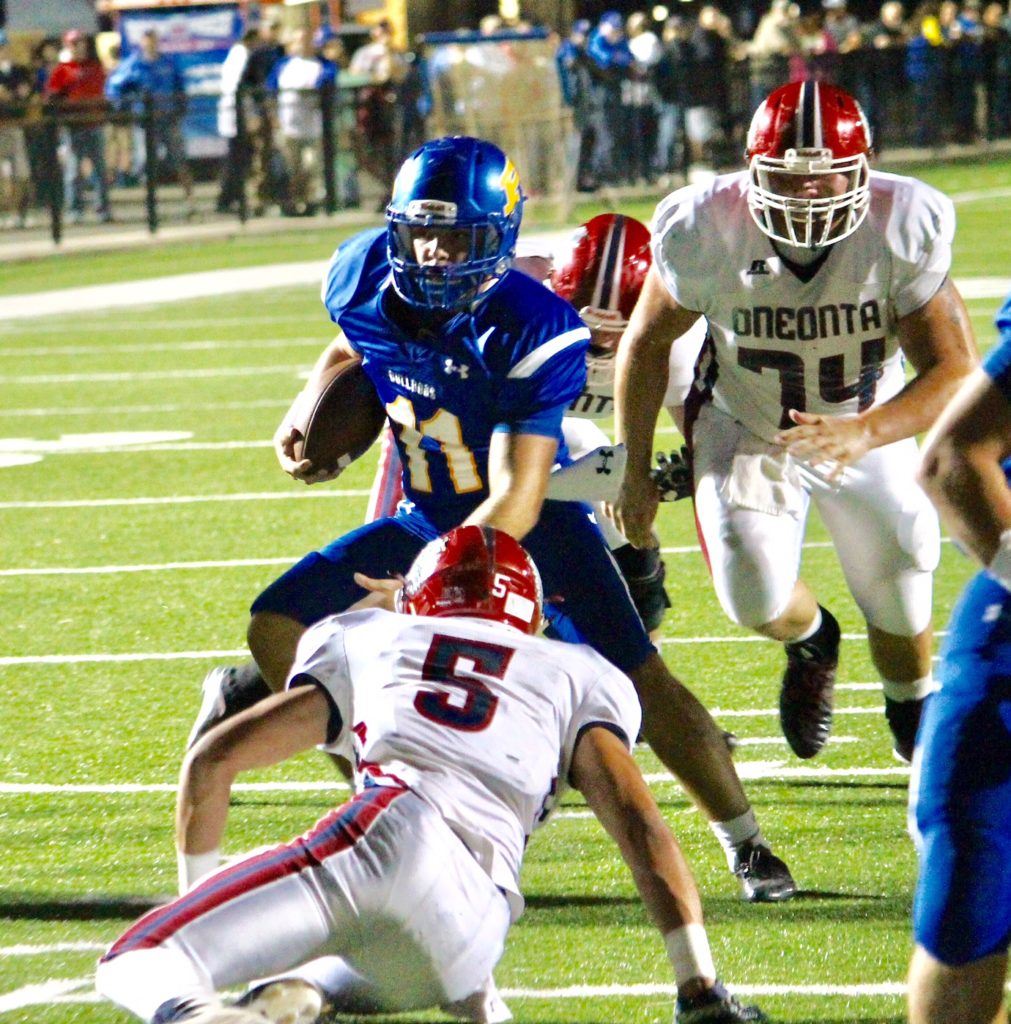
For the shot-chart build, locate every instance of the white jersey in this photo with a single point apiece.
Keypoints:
(597, 400)
(479, 720)
(823, 340)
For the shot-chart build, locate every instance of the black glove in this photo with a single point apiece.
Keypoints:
(673, 475)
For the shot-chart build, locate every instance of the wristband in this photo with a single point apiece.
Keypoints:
(195, 866)
(1000, 565)
(689, 953)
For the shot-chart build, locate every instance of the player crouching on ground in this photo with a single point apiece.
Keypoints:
(465, 729)
(818, 279)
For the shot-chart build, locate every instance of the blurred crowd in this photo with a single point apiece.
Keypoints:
(111, 122)
(645, 98)
(649, 98)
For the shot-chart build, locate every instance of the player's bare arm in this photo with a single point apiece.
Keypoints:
(270, 732)
(287, 434)
(604, 771)
(639, 386)
(518, 469)
(937, 340)
(961, 466)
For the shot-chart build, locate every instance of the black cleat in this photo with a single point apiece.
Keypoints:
(763, 876)
(284, 1001)
(227, 690)
(717, 1006)
(805, 699)
(904, 719)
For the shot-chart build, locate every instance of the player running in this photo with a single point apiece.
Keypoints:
(818, 279)
(465, 730)
(476, 364)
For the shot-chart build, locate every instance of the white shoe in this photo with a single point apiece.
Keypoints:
(286, 1001)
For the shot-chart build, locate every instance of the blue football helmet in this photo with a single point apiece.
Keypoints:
(452, 223)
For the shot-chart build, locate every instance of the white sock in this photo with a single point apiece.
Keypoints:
(742, 829)
(903, 692)
(811, 630)
(689, 954)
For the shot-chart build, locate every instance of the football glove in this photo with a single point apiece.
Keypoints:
(673, 475)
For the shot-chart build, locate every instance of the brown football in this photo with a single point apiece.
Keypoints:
(340, 418)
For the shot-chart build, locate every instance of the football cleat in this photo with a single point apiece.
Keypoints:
(227, 690)
(763, 876)
(903, 718)
(284, 1001)
(717, 1006)
(805, 698)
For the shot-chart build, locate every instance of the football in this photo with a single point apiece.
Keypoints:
(340, 418)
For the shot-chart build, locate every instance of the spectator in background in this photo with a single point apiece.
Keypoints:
(382, 65)
(966, 35)
(75, 89)
(577, 92)
(844, 65)
(268, 178)
(119, 143)
(770, 50)
(997, 70)
(15, 174)
(149, 76)
(45, 177)
(297, 80)
(238, 157)
(670, 77)
(641, 94)
(815, 53)
(883, 92)
(608, 50)
(926, 72)
(707, 97)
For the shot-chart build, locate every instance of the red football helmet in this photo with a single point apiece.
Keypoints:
(475, 571)
(804, 133)
(602, 277)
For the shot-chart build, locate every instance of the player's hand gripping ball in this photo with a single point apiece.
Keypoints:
(338, 420)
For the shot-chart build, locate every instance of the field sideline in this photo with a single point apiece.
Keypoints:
(141, 510)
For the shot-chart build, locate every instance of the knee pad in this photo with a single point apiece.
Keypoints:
(644, 572)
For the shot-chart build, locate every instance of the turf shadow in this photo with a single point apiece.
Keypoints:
(92, 907)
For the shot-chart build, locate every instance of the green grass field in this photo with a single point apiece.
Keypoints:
(126, 570)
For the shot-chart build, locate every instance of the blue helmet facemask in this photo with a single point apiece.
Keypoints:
(452, 223)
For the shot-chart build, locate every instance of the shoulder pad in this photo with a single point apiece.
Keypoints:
(357, 268)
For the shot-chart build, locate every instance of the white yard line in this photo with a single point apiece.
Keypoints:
(159, 290)
(747, 769)
(145, 348)
(67, 990)
(190, 499)
(56, 947)
(100, 570)
(137, 375)
(121, 410)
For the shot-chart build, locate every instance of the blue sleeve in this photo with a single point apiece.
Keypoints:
(274, 75)
(546, 363)
(354, 258)
(998, 360)
(120, 80)
(536, 404)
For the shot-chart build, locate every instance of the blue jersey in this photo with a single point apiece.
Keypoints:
(515, 364)
(961, 803)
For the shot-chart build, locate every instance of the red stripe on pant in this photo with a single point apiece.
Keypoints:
(339, 830)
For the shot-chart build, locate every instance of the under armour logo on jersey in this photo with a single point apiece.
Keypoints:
(758, 267)
(461, 369)
(605, 455)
